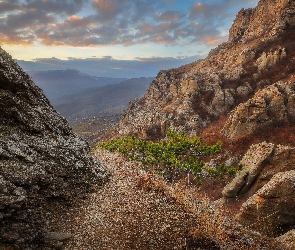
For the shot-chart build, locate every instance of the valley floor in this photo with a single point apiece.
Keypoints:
(137, 210)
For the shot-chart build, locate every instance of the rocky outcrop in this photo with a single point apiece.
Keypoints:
(287, 240)
(240, 25)
(260, 163)
(41, 159)
(273, 104)
(266, 21)
(253, 163)
(193, 96)
(270, 59)
(272, 209)
(266, 182)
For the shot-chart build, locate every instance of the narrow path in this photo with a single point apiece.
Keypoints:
(130, 212)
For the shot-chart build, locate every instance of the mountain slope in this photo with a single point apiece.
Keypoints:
(259, 52)
(243, 95)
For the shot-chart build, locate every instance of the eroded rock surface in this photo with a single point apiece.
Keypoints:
(253, 163)
(266, 182)
(272, 209)
(41, 159)
(189, 98)
(273, 104)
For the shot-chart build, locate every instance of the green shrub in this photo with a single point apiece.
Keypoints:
(177, 151)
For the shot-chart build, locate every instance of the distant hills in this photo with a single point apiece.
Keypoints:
(78, 96)
(57, 83)
(109, 99)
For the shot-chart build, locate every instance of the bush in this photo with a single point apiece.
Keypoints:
(177, 152)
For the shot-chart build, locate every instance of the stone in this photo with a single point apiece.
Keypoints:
(274, 103)
(260, 163)
(266, 61)
(287, 240)
(271, 209)
(253, 162)
(56, 236)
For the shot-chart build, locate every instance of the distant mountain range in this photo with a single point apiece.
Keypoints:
(78, 96)
(109, 99)
(57, 83)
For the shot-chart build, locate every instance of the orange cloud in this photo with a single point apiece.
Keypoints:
(8, 40)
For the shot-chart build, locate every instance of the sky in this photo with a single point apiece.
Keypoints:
(114, 38)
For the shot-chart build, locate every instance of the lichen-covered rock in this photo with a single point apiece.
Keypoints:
(240, 25)
(270, 59)
(287, 240)
(41, 158)
(272, 209)
(260, 163)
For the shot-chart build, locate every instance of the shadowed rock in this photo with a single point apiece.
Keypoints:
(41, 159)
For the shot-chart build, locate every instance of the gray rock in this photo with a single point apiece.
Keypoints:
(40, 157)
(274, 103)
(56, 236)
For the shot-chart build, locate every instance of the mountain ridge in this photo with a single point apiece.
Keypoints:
(58, 83)
(242, 94)
(190, 97)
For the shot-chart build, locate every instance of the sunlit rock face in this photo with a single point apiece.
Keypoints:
(259, 52)
(41, 159)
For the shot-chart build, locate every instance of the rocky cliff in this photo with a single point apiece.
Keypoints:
(259, 52)
(42, 162)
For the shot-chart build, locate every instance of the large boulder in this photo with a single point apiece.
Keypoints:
(41, 159)
(272, 209)
(253, 163)
(260, 163)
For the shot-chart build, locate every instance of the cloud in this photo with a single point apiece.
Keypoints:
(106, 9)
(169, 16)
(108, 66)
(66, 7)
(108, 22)
(8, 6)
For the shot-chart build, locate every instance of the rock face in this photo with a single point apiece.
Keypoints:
(258, 53)
(41, 159)
(273, 104)
(253, 163)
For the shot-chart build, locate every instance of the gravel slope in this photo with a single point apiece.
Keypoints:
(137, 210)
(132, 211)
